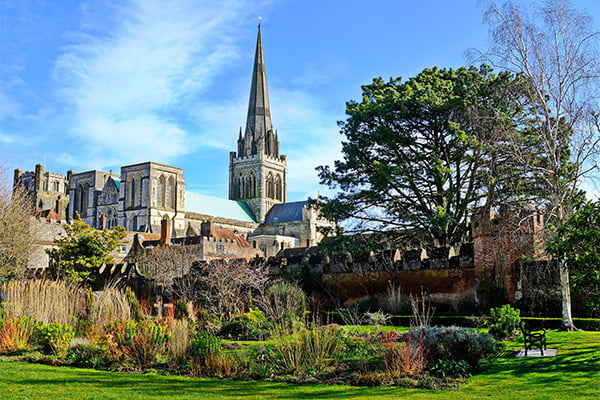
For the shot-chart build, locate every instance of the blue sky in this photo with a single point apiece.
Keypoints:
(99, 84)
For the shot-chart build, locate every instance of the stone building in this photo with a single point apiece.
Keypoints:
(143, 194)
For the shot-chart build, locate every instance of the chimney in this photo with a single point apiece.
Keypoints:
(205, 228)
(59, 207)
(39, 178)
(17, 178)
(165, 231)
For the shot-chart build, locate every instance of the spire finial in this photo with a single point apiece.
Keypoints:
(259, 21)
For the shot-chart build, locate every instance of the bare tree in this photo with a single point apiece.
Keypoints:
(224, 286)
(17, 234)
(555, 50)
(164, 265)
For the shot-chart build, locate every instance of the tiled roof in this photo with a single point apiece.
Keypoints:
(214, 206)
(285, 212)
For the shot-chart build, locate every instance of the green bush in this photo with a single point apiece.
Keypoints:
(252, 325)
(453, 343)
(88, 355)
(54, 338)
(181, 309)
(204, 344)
(308, 350)
(284, 301)
(504, 322)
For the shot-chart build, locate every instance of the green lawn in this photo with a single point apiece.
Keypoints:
(573, 374)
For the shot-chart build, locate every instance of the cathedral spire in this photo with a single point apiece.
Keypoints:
(258, 123)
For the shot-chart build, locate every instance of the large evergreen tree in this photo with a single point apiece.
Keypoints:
(414, 153)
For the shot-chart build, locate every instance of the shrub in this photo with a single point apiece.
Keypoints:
(86, 354)
(309, 349)
(504, 322)
(208, 322)
(284, 301)
(377, 318)
(15, 334)
(55, 338)
(181, 309)
(204, 346)
(405, 358)
(137, 341)
(453, 344)
(252, 325)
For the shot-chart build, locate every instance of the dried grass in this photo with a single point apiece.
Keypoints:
(44, 300)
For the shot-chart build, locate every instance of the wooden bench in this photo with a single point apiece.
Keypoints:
(533, 338)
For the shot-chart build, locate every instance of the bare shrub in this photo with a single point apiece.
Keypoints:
(422, 310)
(165, 265)
(44, 300)
(403, 358)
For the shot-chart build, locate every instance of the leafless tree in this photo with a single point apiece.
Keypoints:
(554, 49)
(164, 265)
(17, 234)
(224, 286)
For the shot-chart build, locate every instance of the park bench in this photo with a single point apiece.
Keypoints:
(533, 338)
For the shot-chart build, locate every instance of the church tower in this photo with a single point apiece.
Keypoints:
(257, 173)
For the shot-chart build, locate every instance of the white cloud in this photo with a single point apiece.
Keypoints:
(127, 86)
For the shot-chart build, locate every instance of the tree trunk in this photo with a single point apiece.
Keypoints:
(567, 320)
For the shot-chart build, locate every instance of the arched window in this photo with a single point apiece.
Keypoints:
(56, 186)
(138, 190)
(170, 193)
(270, 186)
(251, 185)
(240, 185)
(78, 199)
(132, 192)
(134, 223)
(278, 188)
(160, 192)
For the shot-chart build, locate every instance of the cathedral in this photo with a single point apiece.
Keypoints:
(144, 195)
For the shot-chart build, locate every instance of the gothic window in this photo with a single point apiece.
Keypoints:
(251, 185)
(56, 186)
(138, 190)
(270, 186)
(170, 193)
(132, 192)
(78, 199)
(160, 193)
(84, 200)
(278, 188)
(240, 186)
(134, 223)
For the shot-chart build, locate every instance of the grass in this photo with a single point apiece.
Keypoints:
(572, 374)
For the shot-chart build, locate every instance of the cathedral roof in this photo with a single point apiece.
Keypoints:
(217, 207)
(285, 212)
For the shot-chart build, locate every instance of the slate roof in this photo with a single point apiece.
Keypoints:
(285, 212)
(214, 206)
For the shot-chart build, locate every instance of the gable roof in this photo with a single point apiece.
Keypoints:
(285, 212)
(214, 206)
